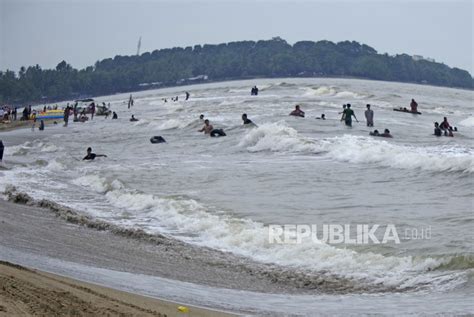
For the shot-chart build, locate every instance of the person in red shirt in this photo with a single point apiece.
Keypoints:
(414, 106)
(445, 124)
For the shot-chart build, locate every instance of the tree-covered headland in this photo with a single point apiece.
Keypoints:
(235, 60)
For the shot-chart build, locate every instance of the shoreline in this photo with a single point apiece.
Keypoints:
(49, 229)
(17, 124)
(31, 292)
(14, 125)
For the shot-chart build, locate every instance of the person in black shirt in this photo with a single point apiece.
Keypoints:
(437, 130)
(90, 156)
(245, 119)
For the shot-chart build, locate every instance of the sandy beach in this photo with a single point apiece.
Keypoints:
(12, 125)
(27, 292)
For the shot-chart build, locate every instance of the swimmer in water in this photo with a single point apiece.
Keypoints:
(245, 119)
(386, 134)
(91, 156)
(297, 112)
(207, 128)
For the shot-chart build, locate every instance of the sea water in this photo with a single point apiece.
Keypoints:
(223, 192)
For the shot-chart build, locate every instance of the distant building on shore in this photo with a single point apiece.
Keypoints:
(421, 58)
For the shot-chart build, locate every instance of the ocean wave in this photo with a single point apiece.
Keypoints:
(167, 124)
(320, 91)
(457, 262)
(194, 223)
(349, 95)
(469, 122)
(359, 150)
(31, 146)
(278, 137)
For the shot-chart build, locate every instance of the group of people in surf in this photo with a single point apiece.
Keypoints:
(347, 114)
(176, 98)
(444, 128)
(254, 91)
(209, 129)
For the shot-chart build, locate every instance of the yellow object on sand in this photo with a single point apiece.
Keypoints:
(183, 309)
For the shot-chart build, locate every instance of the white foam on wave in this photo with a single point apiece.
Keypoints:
(97, 183)
(167, 124)
(192, 222)
(357, 149)
(320, 91)
(55, 165)
(469, 122)
(349, 95)
(31, 146)
(278, 137)
(328, 91)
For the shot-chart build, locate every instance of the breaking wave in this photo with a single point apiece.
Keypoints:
(192, 222)
(278, 137)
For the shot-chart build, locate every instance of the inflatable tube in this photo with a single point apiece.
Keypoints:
(157, 139)
(50, 114)
(217, 133)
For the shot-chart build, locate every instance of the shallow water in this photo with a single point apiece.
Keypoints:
(221, 192)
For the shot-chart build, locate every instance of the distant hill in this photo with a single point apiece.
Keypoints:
(235, 60)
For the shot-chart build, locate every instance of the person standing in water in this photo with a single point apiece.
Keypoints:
(2, 148)
(445, 124)
(130, 101)
(92, 110)
(369, 115)
(344, 107)
(187, 95)
(348, 115)
(437, 130)
(66, 116)
(414, 106)
(91, 156)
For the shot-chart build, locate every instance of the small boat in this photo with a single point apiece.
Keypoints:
(100, 110)
(405, 110)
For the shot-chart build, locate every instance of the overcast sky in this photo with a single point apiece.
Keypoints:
(82, 32)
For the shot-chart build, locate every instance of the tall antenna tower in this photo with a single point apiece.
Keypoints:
(139, 45)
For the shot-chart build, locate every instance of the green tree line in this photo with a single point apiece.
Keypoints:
(235, 60)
